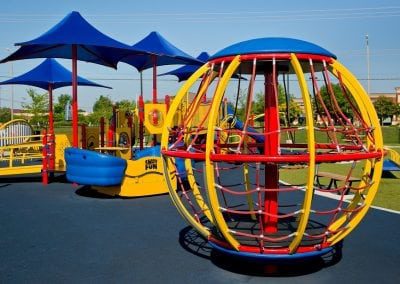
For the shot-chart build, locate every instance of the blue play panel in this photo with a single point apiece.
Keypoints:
(86, 167)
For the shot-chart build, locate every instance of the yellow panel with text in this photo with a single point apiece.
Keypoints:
(154, 116)
(143, 177)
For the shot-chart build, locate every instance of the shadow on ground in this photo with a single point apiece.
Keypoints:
(194, 243)
(33, 178)
(387, 174)
(87, 191)
(21, 179)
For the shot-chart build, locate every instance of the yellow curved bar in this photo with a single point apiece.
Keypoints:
(360, 94)
(164, 145)
(196, 191)
(197, 100)
(360, 101)
(15, 121)
(393, 155)
(367, 168)
(247, 188)
(188, 165)
(311, 150)
(209, 169)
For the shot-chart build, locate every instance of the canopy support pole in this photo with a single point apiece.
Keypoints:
(141, 82)
(141, 112)
(154, 58)
(141, 122)
(74, 96)
(51, 130)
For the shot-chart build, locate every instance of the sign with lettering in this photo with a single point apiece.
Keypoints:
(150, 164)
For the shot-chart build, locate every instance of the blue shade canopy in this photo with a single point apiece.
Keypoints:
(92, 45)
(184, 72)
(49, 72)
(163, 51)
(272, 45)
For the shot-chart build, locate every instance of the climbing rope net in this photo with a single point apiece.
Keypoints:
(256, 167)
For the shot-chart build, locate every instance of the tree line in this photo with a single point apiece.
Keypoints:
(37, 107)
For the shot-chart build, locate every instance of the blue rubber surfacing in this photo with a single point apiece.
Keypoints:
(54, 234)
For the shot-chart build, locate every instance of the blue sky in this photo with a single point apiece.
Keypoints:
(195, 26)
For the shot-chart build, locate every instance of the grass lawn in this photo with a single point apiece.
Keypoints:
(388, 195)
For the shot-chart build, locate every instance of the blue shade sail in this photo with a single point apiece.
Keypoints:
(92, 45)
(159, 52)
(184, 72)
(49, 72)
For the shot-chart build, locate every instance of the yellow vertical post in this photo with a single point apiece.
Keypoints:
(305, 214)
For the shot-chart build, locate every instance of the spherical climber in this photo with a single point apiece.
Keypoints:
(268, 129)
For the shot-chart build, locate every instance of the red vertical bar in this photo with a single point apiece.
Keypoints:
(167, 102)
(155, 100)
(102, 128)
(51, 130)
(112, 129)
(74, 97)
(130, 121)
(271, 146)
(141, 120)
(130, 125)
(83, 131)
(45, 177)
(154, 58)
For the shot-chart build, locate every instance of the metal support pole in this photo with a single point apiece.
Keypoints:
(51, 130)
(271, 148)
(74, 97)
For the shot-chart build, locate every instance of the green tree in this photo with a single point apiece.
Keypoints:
(125, 105)
(240, 105)
(38, 108)
(101, 108)
(342, 101)
(385, 108)
(258, 104)
(59, 106)
(5, 114)
(82, 117)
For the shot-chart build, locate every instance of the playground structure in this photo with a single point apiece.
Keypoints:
(119, 157)
(232, 176)
(24, 151)
(74, 38)
(17, 135)
(123, 158)
(251, 192)
(17, 146)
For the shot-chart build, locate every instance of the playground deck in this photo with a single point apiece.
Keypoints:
(61, 233)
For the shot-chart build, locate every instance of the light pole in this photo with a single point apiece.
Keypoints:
(368, 66)
(12, 86)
